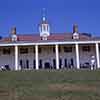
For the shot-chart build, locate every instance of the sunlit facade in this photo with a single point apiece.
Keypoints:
(48, 50)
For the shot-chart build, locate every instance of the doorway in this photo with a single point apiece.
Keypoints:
(24, 64)
(47, 65)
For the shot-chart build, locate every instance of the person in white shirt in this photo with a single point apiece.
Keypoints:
(92, 62)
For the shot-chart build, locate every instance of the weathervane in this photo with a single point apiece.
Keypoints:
(44, 16)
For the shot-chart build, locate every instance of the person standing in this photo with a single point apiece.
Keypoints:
(92, 62)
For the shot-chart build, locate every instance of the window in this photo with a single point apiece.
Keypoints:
(75, 36)
(23, 50)
(47, 27)
(53, 49)
(40, 64)
(6, 51)
(54, 63)
(86, 48)
(99, 48)
(65, 61)
(14, 38)
(34, 64)
(67, 49)
(71, 62)
(40, 50)
(27, 64)
(44, 37)
(60, 63)
(44, 27)
(21, 63)
(33, 50)
(59, 49)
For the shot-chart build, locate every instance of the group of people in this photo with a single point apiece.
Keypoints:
(92, 65)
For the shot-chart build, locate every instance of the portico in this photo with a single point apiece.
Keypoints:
(58, 56)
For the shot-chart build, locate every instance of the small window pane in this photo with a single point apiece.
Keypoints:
(40, 50)
(6, 51)
(67, 49)
(23, 50)
(53, 49)
(86, 48)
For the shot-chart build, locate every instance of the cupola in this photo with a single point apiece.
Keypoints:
(44, 28)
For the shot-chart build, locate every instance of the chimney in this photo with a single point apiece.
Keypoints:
(75, 28)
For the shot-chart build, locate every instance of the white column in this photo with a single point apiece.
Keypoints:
(57, 56)
(77, 56)
(16, 57)
(97, 55)
(36, 57)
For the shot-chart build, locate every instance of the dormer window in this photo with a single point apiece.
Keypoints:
(75, 36)
(14, 38)
(44, 37)
(13, 34)
(75, 32)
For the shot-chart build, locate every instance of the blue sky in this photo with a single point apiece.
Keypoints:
(61, 14)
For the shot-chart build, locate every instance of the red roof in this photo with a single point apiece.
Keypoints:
(52, 37)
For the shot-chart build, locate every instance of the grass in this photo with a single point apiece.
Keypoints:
(50, 85)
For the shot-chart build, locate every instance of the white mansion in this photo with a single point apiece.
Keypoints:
(47, 50)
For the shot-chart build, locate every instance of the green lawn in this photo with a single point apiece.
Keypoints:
(50, 85)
